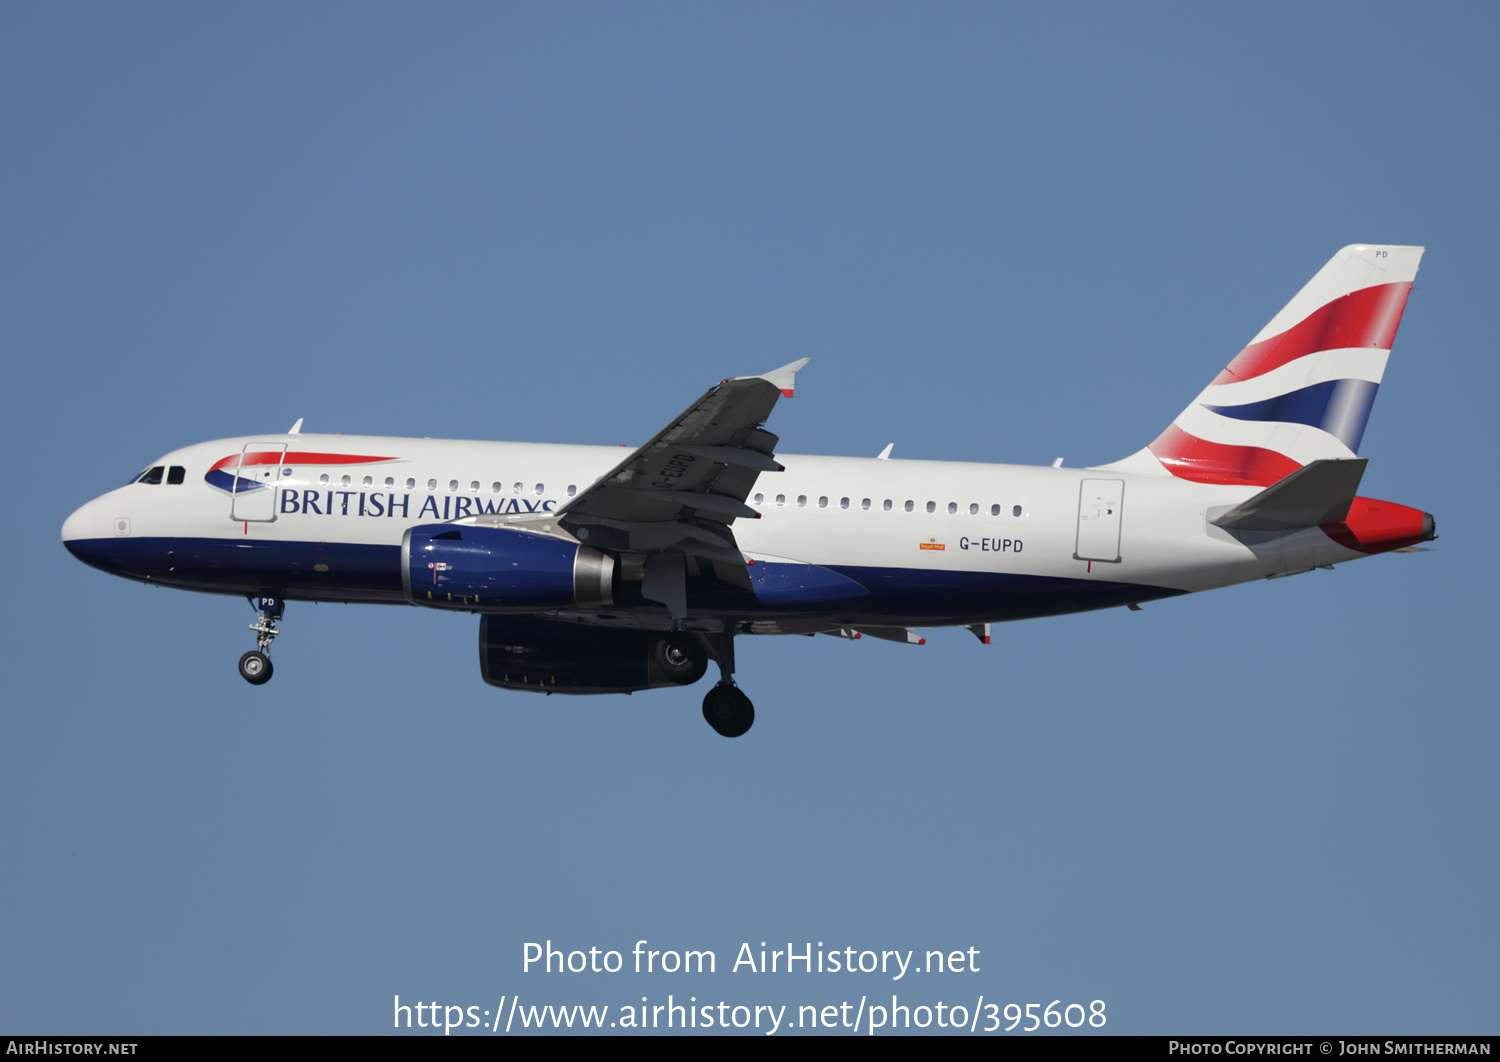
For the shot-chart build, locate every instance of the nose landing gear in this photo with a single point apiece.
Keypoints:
(255, 666)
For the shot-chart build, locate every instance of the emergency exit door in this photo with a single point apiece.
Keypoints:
(1099, 506)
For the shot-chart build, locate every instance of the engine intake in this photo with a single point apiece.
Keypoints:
(502, 569)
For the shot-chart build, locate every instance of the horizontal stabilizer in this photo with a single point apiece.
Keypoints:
(1317, 493)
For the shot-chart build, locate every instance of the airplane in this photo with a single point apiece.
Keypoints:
(594, 574)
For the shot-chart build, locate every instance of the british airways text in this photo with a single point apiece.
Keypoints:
(364, 503)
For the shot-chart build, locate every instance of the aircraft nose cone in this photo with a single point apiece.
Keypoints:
(80, 525)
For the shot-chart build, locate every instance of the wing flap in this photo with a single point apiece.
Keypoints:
(900, 635)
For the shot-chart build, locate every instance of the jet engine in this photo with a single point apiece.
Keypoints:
(502, 569)
(548, 656)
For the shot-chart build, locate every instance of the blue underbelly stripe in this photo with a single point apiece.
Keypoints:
(341, 571)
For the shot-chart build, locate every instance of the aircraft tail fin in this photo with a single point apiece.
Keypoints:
(1302, 390)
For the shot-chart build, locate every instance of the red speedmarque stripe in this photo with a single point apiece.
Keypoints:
(1189, 457)
(273, 457)
(1364, 318)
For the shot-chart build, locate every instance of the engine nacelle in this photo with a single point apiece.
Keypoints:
(542, 656)
(501, 569)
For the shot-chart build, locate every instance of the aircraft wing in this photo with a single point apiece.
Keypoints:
(683, 489)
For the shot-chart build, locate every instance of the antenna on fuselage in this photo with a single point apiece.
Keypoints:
(885, 455)
(296, 428)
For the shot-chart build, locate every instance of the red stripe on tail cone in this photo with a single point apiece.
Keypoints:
(1189, 457)
(1374, 526)
(1364, 318)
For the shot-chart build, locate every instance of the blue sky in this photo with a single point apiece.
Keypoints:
(1002, 233)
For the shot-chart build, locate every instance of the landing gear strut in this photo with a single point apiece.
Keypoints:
(726, 708)
(255, 666)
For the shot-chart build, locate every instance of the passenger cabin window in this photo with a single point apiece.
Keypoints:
(886, 505)
(540, 489)
(411, 484)
(496, 487)
(572, 489)
(910, 505)
(866, 504)
(1016, 511)
(760, 499)
(974, 509)
(390, 481)
(801, 500)
(369, 481)
(432, 484)
(175, 474)
(952, 508)
(152, 475)
(474, 487)
(843, 503)
(323, 479)
(343, 481)
(823, 502)
(452, 485)
(994, 510)
(932, 507)
(518, 488)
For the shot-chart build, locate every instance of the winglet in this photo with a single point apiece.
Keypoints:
(785, 377)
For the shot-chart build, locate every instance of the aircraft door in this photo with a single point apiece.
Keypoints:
(1099, 507)
(257, 478)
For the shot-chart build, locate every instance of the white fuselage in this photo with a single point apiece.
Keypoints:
(933, 522)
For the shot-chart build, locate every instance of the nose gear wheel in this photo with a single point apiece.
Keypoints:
(255, 667)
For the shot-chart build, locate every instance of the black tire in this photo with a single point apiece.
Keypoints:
(677, 660)
(728, 710)
(255, 668)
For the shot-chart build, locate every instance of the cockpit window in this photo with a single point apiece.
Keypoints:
(152, 475)
(176, 473)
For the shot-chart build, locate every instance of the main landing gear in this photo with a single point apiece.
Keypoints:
(255, 666)
(726, 708)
